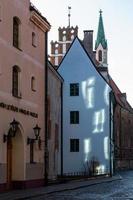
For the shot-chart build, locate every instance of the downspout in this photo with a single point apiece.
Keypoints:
(114, 138)
(110, 133)
(61, 129)
(46, 111)
(120, 142)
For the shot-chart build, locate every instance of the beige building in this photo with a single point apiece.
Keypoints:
(23, 38)
(54, 122)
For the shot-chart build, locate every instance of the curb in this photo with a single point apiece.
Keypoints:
(95, 182)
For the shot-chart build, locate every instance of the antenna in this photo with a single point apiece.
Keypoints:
(69, 15)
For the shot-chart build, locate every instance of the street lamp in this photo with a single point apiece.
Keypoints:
(12, 130)
(36, 132)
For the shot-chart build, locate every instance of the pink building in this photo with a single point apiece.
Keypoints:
(23, 43)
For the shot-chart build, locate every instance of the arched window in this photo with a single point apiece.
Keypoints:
(33, 84)
(100, 55)
(16, 32)
(16, 81)
(72, 37)
(64, 48)
(56, 61)
(64, 38)
(34, 39)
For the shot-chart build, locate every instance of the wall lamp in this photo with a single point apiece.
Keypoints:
(36, 132)
(12, 130)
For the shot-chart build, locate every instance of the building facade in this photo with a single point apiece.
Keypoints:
(87, 126)
(23, 37)
(123, 112)
(55, 82)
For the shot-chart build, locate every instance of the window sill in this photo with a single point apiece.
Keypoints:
(33, 163)
(17, 48)
(17, 96)
(34, 45)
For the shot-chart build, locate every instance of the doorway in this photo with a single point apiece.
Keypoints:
(15, 160)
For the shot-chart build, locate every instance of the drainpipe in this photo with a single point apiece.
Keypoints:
(61, 129)
(120, 138)
(110, 119)
(46, 111)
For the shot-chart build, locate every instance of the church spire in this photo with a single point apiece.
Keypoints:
(100, 34)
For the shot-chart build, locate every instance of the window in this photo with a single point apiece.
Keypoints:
(64, 38)
(56, 61)
(16, 81)
(31, 152)
(34, 39)
(74, 117)
(49, 129)
(72, 37)
(16, 32)
(64, 48)
(74, 145)
(56, 136)
(74, 89)
(0, 14)
(33, 83)
(48, 117)
(100, 55)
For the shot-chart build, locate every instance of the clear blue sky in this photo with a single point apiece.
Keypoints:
(118, 26)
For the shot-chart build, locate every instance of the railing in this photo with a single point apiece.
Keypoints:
(86, 174)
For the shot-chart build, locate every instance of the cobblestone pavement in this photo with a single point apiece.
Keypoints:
(117, 190)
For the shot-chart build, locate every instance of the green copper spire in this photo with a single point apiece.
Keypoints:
(100, 34)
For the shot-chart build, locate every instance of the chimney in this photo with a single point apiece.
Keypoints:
(88, 41)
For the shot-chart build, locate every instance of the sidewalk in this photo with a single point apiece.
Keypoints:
(71, 185)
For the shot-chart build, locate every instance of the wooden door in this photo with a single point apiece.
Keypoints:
(9, 163)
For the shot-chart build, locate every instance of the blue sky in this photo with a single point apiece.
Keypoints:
(117, 18)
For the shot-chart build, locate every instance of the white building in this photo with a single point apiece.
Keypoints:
(87, 129)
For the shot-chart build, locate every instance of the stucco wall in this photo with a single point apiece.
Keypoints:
(31, 61)
(93, 100)
(54, 98)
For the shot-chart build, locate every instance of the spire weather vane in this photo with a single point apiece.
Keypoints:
(69, 15)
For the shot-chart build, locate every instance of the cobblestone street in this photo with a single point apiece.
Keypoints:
(117, 190)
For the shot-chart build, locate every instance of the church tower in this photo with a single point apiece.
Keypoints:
(65, 38)
(101, 44)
